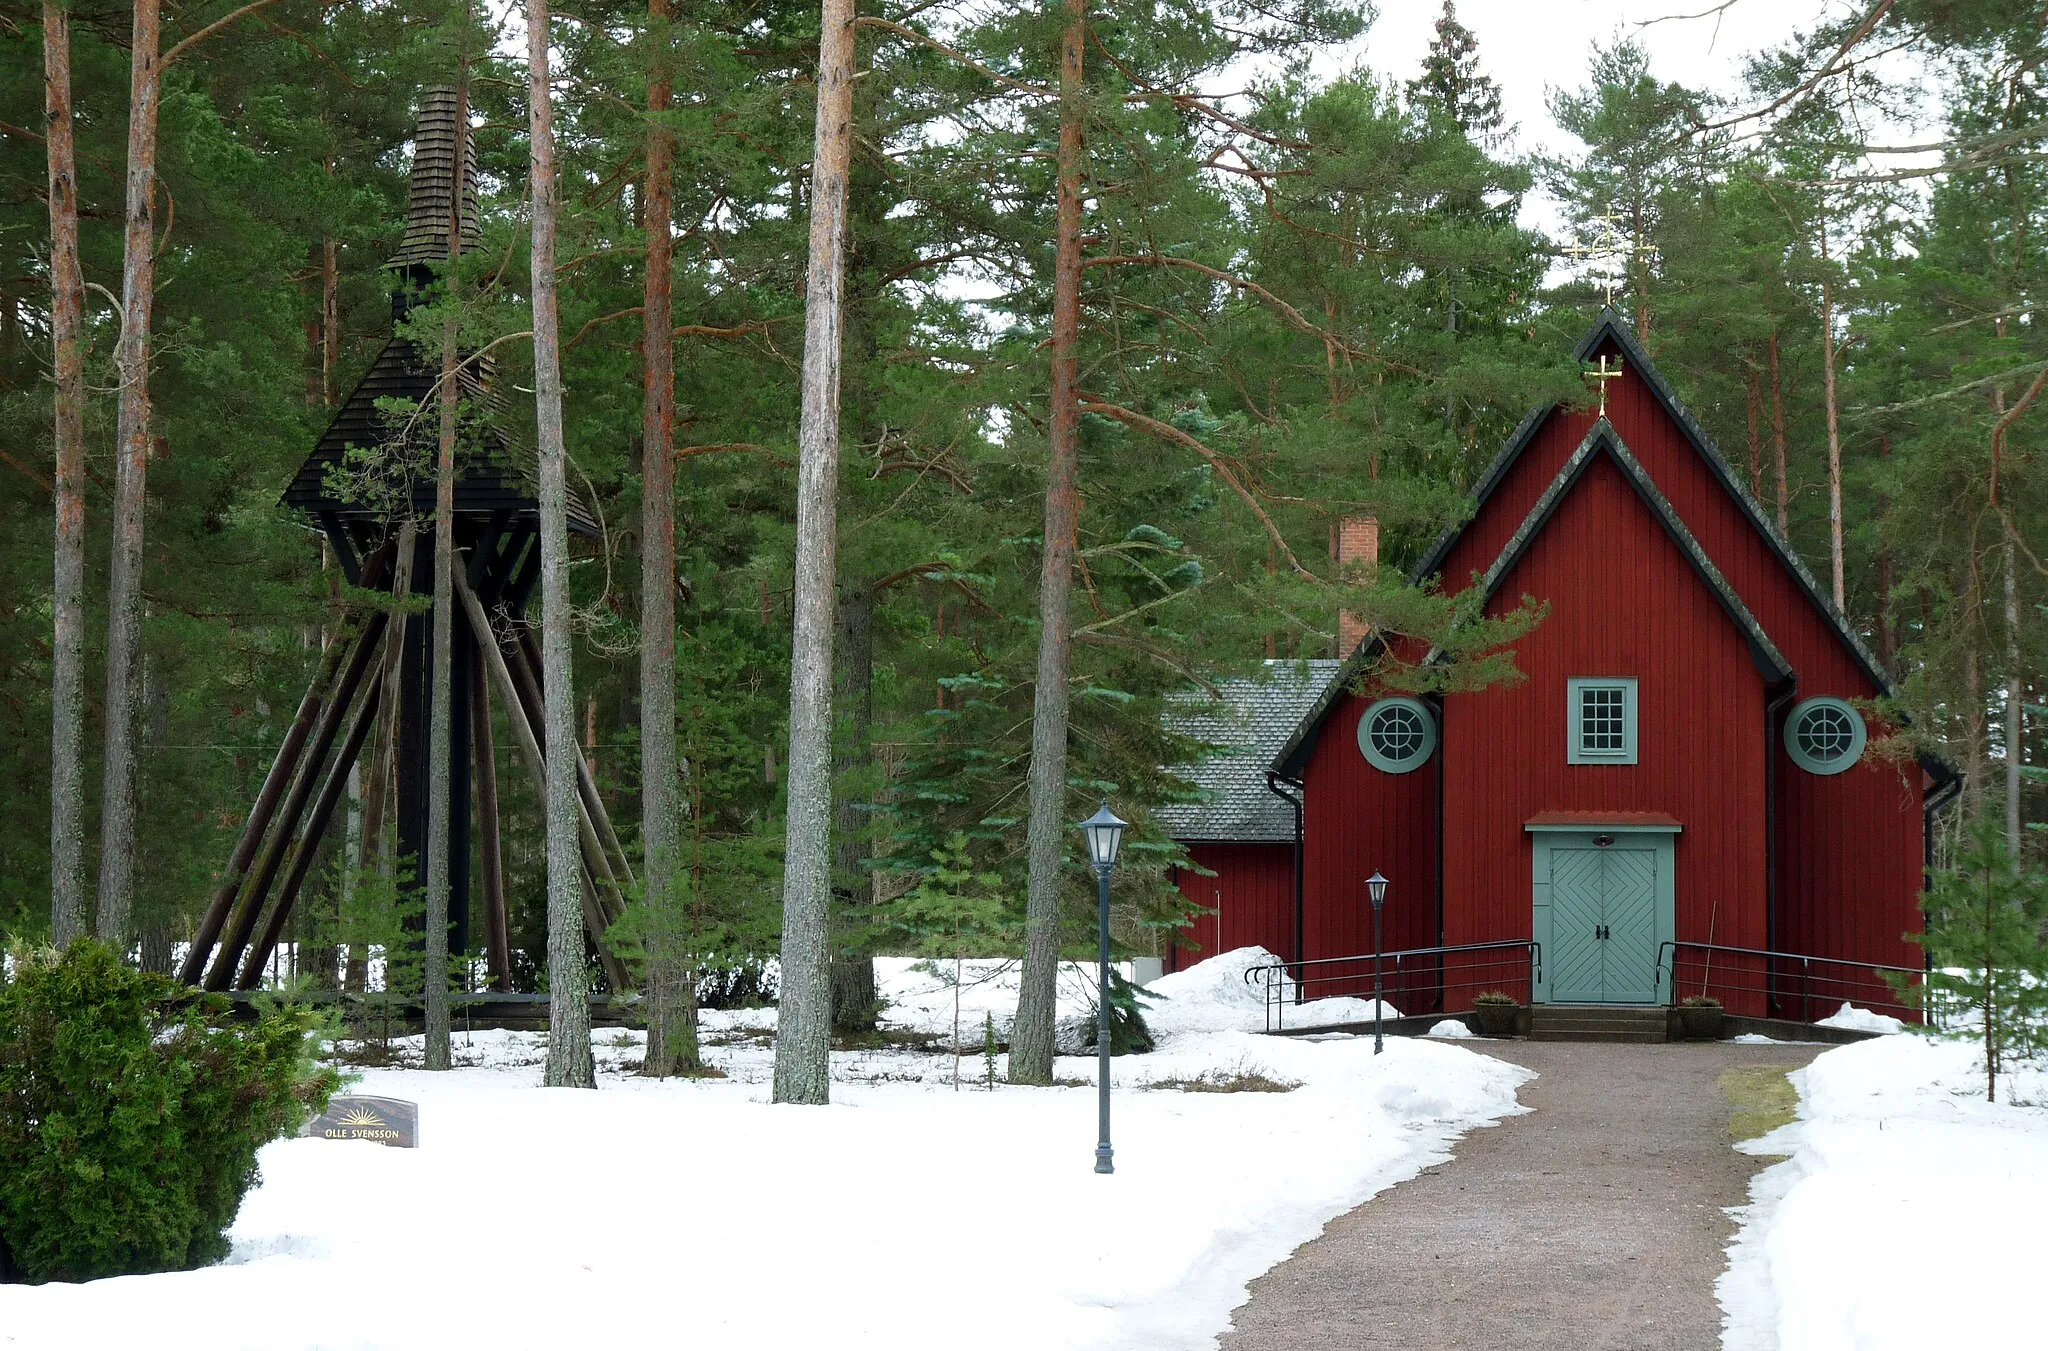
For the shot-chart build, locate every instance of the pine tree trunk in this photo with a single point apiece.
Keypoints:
(441, 694)
(1887, 627)
(1973, 724)
(67, 590)
(1752, 388)
(855, 1003)
(355, 968)
(377, 792)
(2015, 707)
(1827, 348)
(1031, 1040)
(1778, 442)
(330, 315)
(670, 984)
(131, 471)
(569, 1062)
(804, 1024)
(156, 947)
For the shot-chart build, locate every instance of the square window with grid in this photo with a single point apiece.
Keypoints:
(1603, 719)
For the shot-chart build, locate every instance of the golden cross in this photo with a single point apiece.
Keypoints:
(1603, 373)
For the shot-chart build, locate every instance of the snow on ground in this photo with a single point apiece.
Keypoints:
(1860, 1020)
(906, 1215)
(1904, 1217)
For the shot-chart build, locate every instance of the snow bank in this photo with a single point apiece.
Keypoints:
(905, 1216)
(1860, 1020)
(1904, 1217)
(1212, 996)
(1454, 1028)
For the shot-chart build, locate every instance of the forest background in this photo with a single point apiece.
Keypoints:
(1302, 298)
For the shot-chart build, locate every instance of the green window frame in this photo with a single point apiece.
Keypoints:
(1397, 734)
(1600, 713)
(1825, 736)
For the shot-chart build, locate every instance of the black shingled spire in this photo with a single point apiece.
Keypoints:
(433, 182)
(494, 476)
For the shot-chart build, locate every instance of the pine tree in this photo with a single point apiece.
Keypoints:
(1987, 962)
(569, 1060)
(67, 591)
(1452, 85)
(803, 1026)
(671, 1031)
(119, 789)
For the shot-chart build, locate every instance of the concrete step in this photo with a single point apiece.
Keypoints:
(1597, 1023)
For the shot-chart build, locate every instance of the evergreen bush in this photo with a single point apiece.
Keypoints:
(131, 1111)
(1128, 1032)
(1987, 976)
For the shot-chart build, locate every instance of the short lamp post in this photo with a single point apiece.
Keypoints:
(1376, 888)
(1105, 834)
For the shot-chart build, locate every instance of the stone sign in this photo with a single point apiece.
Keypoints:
(388, 1121)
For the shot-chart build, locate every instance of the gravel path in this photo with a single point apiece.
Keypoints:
(1592, 1223)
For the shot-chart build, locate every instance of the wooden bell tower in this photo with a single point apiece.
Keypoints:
(370, 472)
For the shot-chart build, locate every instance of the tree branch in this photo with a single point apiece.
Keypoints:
(715, 447)
(179, 50)
(1036, 91)
(1862, 30)
(1166, 431)
(2012, 416)
(1295, 319)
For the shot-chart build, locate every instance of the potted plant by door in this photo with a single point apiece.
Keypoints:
(1494, 1014)
(1700, 1018)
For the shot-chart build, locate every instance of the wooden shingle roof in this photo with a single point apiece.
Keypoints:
(434, 159)
(494, 471)
(1247, 723)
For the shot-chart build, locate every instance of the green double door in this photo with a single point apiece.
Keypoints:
(1604, 904)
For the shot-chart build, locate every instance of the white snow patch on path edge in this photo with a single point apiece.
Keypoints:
(1849, 1244)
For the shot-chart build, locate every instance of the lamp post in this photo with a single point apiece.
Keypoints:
(1105, 835)
(1376, 887)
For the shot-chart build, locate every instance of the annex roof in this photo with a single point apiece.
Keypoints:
(1248, 720)
(495, 472)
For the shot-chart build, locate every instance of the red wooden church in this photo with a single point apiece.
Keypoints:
(1686, 781)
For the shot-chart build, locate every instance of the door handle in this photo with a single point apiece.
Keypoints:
(1600, 931)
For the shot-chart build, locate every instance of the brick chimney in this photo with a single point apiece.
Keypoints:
(1354, 544)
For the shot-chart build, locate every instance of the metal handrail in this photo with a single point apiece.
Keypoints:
(1276, 1008)
(1806, 962)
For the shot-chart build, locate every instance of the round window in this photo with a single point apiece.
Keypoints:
(1824, 736)
(1397, 735)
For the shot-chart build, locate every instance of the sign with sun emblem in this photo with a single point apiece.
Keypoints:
(387, 1121)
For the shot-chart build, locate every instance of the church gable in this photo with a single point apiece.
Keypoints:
(1701, 490)
(1603, 445)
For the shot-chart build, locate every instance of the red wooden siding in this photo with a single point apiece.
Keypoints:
(1850, 862)
(1252, 893)
(1360, 820)
(1700, 725)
